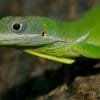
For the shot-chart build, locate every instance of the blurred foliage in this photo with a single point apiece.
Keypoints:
(59, 9)
(20, 73)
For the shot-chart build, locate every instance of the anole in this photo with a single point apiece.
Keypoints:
(52, 39)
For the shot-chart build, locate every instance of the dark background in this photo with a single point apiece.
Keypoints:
(26, 77)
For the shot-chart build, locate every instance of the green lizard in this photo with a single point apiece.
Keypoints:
(51, 39)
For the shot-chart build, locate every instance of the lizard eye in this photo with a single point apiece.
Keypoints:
(16, 27)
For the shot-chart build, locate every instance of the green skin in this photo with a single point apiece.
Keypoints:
(51, 39)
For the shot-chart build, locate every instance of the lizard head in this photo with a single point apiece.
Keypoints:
(23, 31)
(27, 32)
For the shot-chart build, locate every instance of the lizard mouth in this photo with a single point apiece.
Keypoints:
(24, 39)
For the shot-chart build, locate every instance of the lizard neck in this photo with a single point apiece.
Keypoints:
(71, 31)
